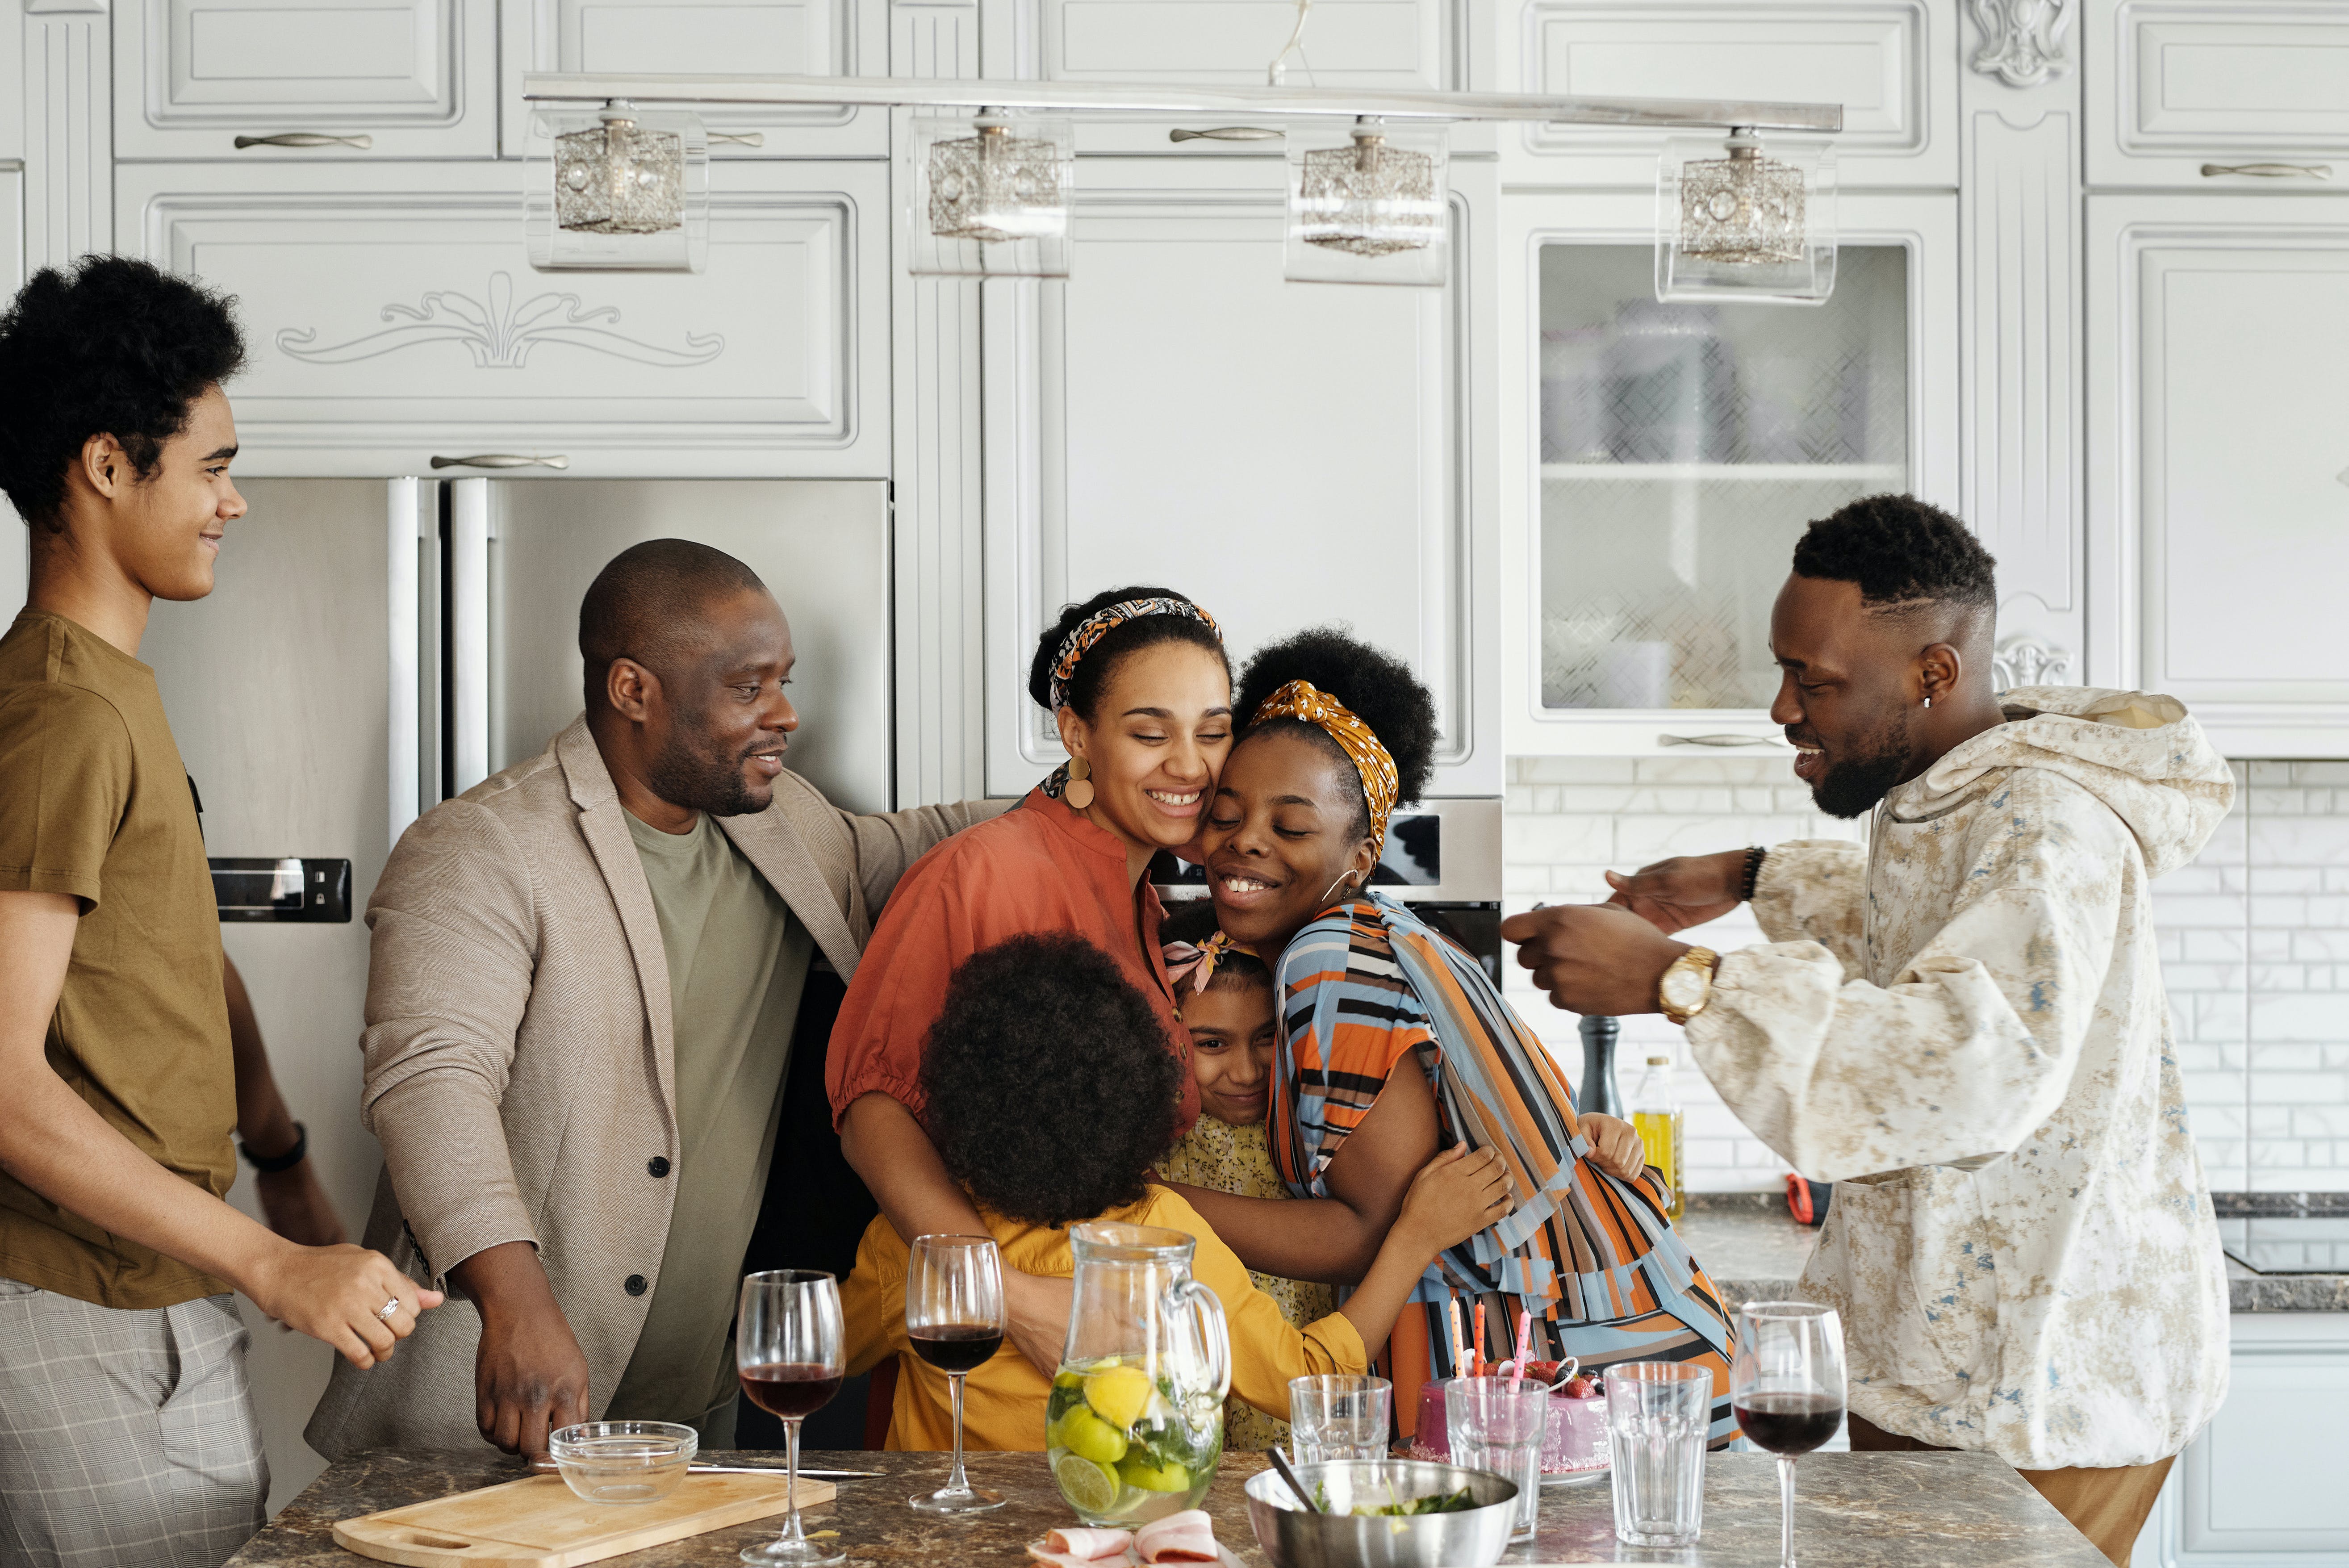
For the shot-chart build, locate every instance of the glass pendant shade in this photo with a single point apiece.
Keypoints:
(616, 188)
(1735, 221)
(1370, 209)
(991, 197)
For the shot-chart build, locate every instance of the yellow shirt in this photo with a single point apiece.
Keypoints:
(1003, 1405)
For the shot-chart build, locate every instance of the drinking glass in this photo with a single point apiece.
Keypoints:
(1786, 1386)
(1659, 1414)
(954, 1315)
(1498, 1424)
(787, 1348)
(1337, 1418)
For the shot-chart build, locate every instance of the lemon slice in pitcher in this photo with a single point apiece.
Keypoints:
(1120, 1394)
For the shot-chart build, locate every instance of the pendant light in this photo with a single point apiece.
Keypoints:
(1372, 209)
(990, 196)
(1735, 221)
(616, 188)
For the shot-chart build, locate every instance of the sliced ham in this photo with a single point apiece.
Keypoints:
(1088, 1544)
(1038, 1552)
(1185, 1537)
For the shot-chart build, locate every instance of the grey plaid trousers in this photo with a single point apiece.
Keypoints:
(128, 1439)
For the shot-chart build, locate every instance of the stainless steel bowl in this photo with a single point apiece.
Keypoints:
(1294, 1537)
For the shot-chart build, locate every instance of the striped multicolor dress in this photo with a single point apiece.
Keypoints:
(1594, 1259)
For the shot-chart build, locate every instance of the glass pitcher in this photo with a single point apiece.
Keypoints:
(1136, 1419)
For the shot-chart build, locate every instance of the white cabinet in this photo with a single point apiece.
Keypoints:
(2218, 430)
(784, 37)
(2261, 1487)
(391, 317)
(2182, 92)
(373, 79)
(1656, 463)
(1289, 453)
(1892, 63)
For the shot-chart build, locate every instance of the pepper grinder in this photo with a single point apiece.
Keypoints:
(1598, 1092)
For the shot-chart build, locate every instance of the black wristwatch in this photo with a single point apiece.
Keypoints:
(1754, 859)
(276, 1163)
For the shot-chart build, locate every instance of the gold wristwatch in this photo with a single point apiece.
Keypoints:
(1687, 985)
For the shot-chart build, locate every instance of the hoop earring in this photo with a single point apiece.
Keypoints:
(1079, 791)
(1333, 887)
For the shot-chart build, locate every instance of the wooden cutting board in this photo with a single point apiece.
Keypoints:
(542, 1523)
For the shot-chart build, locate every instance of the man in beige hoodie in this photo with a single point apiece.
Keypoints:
(1962, 1025)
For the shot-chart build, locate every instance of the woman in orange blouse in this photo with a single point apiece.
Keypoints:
(1137, 681)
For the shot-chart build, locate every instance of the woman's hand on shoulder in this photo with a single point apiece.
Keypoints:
(1615, 1146)
(1458, 1193)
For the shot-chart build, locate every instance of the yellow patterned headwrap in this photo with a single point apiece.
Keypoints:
(1303, 699)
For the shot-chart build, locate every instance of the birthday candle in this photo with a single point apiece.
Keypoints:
(1459, 1349)
(1480, 1339)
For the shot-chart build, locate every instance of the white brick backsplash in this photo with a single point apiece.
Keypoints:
(2254, 940)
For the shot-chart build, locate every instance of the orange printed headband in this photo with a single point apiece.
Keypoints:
(1303, 699)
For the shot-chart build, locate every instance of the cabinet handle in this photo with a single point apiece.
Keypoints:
(1717, 741)
(1226, 133)
(2272, 170)
(738, 138)
(501, 460)
(305, 139)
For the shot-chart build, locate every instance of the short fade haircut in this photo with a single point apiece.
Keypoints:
(1903, 553)
(1235, 969)
(1050, 1084)
(644, 606)
(113, 346)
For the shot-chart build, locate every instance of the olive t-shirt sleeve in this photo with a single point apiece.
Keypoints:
(66, 754)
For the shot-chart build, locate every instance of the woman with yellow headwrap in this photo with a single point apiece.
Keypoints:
(1393, 1043)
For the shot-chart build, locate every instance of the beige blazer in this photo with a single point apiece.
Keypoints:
(519, 1064)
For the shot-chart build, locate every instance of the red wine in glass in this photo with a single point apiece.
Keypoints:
(1788, 1423)
(791, 1390)
(956, 1346)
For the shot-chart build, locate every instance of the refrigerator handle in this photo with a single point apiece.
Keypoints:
(405, 527)
(469, 630)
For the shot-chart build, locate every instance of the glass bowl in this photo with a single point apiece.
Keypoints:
(623, 1461)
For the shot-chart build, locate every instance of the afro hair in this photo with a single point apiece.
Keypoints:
(1379, 688)
(117, 347)
(1047, 1081)
(1902, 552)
(1116, 645)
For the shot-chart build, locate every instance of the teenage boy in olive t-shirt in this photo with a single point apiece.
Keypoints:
(127, 1429)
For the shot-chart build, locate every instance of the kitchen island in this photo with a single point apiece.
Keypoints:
(1854, 1510)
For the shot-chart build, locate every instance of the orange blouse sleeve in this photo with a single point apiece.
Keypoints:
(900, 984)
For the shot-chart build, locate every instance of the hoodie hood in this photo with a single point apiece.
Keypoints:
(2140, 753)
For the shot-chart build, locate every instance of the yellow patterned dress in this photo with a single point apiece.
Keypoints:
(1237, 1160)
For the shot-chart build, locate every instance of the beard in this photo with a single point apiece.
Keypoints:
(1853, 787)
(701, 780)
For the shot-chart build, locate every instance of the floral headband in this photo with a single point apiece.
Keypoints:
(1093, 628)
(1303, 699)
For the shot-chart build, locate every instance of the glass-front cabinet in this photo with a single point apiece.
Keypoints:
(1668, 455)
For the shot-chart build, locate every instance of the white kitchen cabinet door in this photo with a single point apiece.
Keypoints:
(392, 317)
(1657, 462)
(2219, 445)
(1892, 63)
(1288, 454)
(745, 38)
(2190, 92)
(387, 79)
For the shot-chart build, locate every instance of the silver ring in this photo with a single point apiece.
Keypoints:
(389, 1307)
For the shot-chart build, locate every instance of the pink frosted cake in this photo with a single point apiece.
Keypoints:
(1432, 1439)
(1576, 1436)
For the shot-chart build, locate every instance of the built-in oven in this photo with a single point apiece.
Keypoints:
(1443, 859)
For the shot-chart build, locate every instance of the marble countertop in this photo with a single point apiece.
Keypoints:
(1754, 1251)
(1852, 1511)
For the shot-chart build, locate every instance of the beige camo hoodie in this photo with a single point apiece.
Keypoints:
(1962, 1025)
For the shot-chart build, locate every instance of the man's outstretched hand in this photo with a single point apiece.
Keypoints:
(1686, 890)
(1593, 958)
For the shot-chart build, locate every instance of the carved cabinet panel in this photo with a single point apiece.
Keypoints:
(334, 79)
(392, 317)
(2216, 94)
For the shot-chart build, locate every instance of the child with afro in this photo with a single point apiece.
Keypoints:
(1050, 1094)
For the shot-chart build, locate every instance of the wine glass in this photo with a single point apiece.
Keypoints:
(787, 1347)
(1787, 1388)
(954, 1315)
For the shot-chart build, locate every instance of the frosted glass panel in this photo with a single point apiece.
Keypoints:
(1683, 449)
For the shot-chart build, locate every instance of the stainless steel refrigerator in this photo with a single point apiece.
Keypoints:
(374, 646)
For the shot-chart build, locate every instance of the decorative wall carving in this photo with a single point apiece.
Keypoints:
(2023, 41)
(500, 334)
(2023, 660)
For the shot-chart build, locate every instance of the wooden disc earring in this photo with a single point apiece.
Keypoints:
(1079, 791)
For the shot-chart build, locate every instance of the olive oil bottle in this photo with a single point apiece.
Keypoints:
(1656, 1113)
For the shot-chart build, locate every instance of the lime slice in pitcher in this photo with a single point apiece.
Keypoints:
(1091, 1488)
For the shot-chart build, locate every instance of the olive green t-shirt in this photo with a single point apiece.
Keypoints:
(94, 801)
(737, 961)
